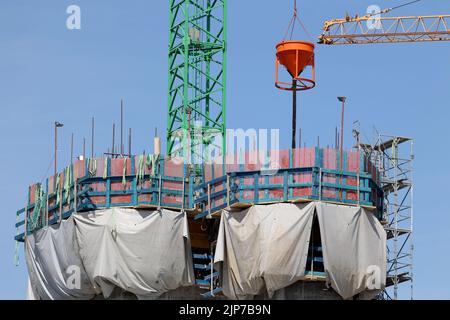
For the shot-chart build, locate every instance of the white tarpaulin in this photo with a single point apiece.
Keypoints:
(54, 266)
(263, 249)
(142, 252)
(354, 249)
(126, 253)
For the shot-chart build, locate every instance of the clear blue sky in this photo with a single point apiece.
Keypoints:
(49, 73)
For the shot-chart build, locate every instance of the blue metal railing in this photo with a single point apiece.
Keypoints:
(225, 191)
(209, 197)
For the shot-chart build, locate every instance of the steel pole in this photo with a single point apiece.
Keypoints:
(84, 148)
(342, 134)
(113, 149)
(56, 149)
(121, 128)
(341, 157)
(294, 113)
(71, 150)
(92, 138)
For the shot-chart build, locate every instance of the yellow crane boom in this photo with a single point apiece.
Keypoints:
(371, 29)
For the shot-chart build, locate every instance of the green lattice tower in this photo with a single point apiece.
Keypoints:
(197, 78)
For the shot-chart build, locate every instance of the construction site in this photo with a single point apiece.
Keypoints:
(224, 214)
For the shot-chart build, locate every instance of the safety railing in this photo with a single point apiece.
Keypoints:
(65, 194)
(293, 184)
(143, 181)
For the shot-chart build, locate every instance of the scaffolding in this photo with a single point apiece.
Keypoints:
(394, 157)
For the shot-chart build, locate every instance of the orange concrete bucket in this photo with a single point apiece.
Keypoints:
(296, 56)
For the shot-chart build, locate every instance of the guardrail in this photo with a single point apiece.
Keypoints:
(96, 184)
(293, 184)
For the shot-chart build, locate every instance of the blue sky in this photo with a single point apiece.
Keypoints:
(49, 73)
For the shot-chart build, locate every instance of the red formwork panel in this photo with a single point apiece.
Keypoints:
(304, 158)
(96, 169)
(353, 158)
(51, 183)
(32, 193)
(254, 161)
(305, 177)
(173, 168)
(79, 169)
(283, 159)
(217, 187)
(117, 170)
(144, 184)
(117, 166)
(231, 163)
(330, 157)
(249, 195)
(208, 172)
(279, 159)
(212, 172)
(353, 165)
(302, 192)
(232, 166)
(219, 171)
(51, 190)
(101, 186)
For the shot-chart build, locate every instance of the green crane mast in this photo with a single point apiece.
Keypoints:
(197, 79)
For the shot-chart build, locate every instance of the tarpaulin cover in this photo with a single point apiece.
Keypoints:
(354, 247)
(53, 262)
(31, 295)
(263, 249)
(145, 253)
(125, 253)
(119, 253)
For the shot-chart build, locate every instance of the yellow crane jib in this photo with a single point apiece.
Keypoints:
(376, 29)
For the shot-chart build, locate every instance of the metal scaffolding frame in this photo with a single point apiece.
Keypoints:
(394, 157)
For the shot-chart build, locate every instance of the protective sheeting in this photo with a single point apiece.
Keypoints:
(113, 254)
(54, 266)
(262, 253)
(263, 249)
(354, 250)
(31, 295)
(144, 253)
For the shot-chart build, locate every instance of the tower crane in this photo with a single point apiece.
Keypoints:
(373, 28)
